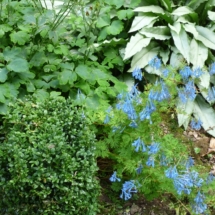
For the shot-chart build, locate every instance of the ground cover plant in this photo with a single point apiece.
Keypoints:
(47, 159)
(144, 158)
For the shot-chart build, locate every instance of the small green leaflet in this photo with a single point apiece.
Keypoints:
(19, 37)
(3, 74)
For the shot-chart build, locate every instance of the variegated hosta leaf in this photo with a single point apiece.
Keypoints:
(136, 43)
(141, 21)
(211, 15)
(198, 53)
(152, 9)
(182, 11)
(203, 111)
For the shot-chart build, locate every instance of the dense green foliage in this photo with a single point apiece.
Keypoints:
(47, 162)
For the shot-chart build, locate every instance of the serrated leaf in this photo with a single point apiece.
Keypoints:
(204, 112)
(13, 53)
(115, 28)
(18, 65)
(152, 9)
(19, 37)
(38, 59)
(141, 21)
(67, 76)
(103, 21)
(159, 33)
(82, 71)
(136, 43)
(3, 74)
(182, 43)
(198, 54)
(122, 14)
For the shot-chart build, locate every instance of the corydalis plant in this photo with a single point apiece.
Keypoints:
(152, 153)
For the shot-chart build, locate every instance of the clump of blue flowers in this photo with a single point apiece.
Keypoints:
(182, 176)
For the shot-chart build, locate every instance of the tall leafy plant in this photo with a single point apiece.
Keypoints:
(179, 32)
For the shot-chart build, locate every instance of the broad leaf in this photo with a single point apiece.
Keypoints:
(198, 53)
(167, 4)
(19, 37)
(180, 11)
(159, 33)
(83, 86)
(205, 80)
(206, 36)
(103, 21)
(194, 4)
(67, 76)
(152, 9)
(182, 43)
(18, 65)
(38, 59)
(211, 15)
(142, 58)
(13, 53)
(204, 112)
(115, 28)
(191, 28)
(141, 21)
(3, 74)
(184, 113)
(82, 71)
(136, 43)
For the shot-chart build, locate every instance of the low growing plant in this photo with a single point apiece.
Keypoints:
(47, 161)
(147, 159)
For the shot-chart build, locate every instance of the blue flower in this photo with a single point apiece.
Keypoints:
(186, 72)
(197, 72)
(212, 69)
(189, 162)
(113, 178)
(182, 96)
(134, 92)
(133, 124)
(210, 178)
(161, 95)
(128, 108)
(150, 161)
(153, 148)
(165, 73)
(139, 169)
(199, 206)
(146, 113)
(107, 119)
(127, 189)
(211, 95)
(139, 144)
(196, 124)
(190, 90)
(137, 74)
(171, 172)
(163, 160)
(155, 63)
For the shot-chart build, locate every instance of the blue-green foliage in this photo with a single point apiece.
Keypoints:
(47, 161)
(147, 159)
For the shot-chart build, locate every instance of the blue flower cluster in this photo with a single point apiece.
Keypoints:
(155, 62)
(196, 124)
(199, 206)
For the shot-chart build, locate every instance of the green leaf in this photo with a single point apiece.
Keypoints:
(1, 33)
(83, 86)
(38, 59)
(198, 53)
(67, 76)
(206, 36)
(180, 11)
(3, 74)
(184, 113)
(82, 71)
(103, 21)
(3, 108)
(152, 9)
(136, 43)
(18, 65)
(142, 58)
(115, 28)
(122, 14)
(204, 112)
(159, 33)
(211, 15)
(41, 94)
(30, 87)
(194, 4)
(102, 34)
(141, 21)
(103, 83)
(181, 42)
(13, 53)
(167, 4)
(19, 37)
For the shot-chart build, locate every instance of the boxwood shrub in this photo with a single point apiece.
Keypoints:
(47, 162)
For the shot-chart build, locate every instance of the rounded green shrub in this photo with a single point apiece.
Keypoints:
(47, 162)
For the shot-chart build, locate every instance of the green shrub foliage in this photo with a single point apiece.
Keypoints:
(47, 163)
